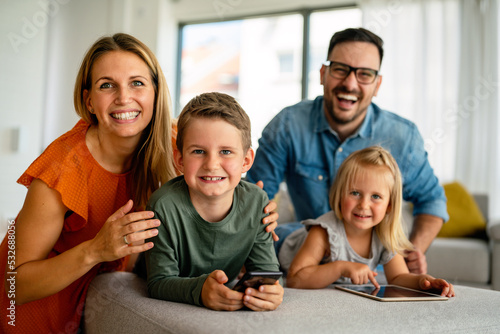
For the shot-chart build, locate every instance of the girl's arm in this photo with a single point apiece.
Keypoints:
(305, 270)
(38, 228)
(397, 273)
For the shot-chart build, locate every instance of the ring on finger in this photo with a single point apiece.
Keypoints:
(125, 240)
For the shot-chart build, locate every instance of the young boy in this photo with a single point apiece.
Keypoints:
(210, 219)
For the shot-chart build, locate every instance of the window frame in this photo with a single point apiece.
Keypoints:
(306, 16)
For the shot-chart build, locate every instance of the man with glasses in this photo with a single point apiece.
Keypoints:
(305, 144)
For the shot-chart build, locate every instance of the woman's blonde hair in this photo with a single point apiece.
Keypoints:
(152, 164)
(390, 229)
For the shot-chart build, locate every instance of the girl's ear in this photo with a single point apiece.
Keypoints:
(179, 162)
(248, 160)
(389, 208)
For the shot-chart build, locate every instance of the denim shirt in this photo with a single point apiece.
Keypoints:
(299, 147)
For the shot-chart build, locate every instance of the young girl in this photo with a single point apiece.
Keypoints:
(363, 230)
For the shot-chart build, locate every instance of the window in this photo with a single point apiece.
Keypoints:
(259, 61)
(286, 62)
(323, 24)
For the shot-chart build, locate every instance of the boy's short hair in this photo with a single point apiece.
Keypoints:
(217, 106)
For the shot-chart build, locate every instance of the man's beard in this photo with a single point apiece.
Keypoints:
(328, 103)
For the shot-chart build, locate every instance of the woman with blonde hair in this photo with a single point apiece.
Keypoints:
(362, 231)
(83, 213)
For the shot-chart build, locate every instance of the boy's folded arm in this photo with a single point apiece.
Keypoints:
(164, 280)
(262, 256)
(177, 289)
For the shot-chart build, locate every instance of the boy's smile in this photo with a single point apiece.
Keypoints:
(212, 161)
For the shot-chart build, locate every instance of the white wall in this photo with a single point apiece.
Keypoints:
(42, 45)
(23, 31)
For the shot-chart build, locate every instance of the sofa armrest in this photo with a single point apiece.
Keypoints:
(494, 234)
(494, 230)
(483, 204)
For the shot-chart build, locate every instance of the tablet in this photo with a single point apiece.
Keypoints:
(390, 293)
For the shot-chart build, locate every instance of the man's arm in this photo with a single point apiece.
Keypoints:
(422, 188)
(425, 229)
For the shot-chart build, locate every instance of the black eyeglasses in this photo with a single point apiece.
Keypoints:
(341, 71)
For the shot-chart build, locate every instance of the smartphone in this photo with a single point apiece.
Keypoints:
(254, 279)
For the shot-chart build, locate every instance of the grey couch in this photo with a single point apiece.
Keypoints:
(468, 261)
(118, 303)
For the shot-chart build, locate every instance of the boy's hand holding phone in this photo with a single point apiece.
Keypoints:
(266, 298)
(216, 296)
(257, 292)
(262, 290)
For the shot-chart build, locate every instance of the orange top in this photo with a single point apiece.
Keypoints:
(92, 194)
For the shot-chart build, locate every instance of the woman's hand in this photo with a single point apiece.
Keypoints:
(38, 228)
(123, 234)
(272, 218)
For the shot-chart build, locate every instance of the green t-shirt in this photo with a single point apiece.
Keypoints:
(188, 248)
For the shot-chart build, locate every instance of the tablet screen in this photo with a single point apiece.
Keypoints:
(390, 293)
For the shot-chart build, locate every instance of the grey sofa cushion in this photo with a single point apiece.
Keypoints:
(118, 303)
(459, 260)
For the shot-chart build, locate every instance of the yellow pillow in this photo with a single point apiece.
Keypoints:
(466, 218)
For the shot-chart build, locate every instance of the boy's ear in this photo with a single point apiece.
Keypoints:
(248, 160)
(179, 162)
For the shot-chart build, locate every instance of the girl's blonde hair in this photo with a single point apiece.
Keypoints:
(390, 229)
(152, 163)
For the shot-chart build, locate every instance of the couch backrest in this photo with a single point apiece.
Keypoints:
(482, 202)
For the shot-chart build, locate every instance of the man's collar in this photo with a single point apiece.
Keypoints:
(321, 123)
(365, 130)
